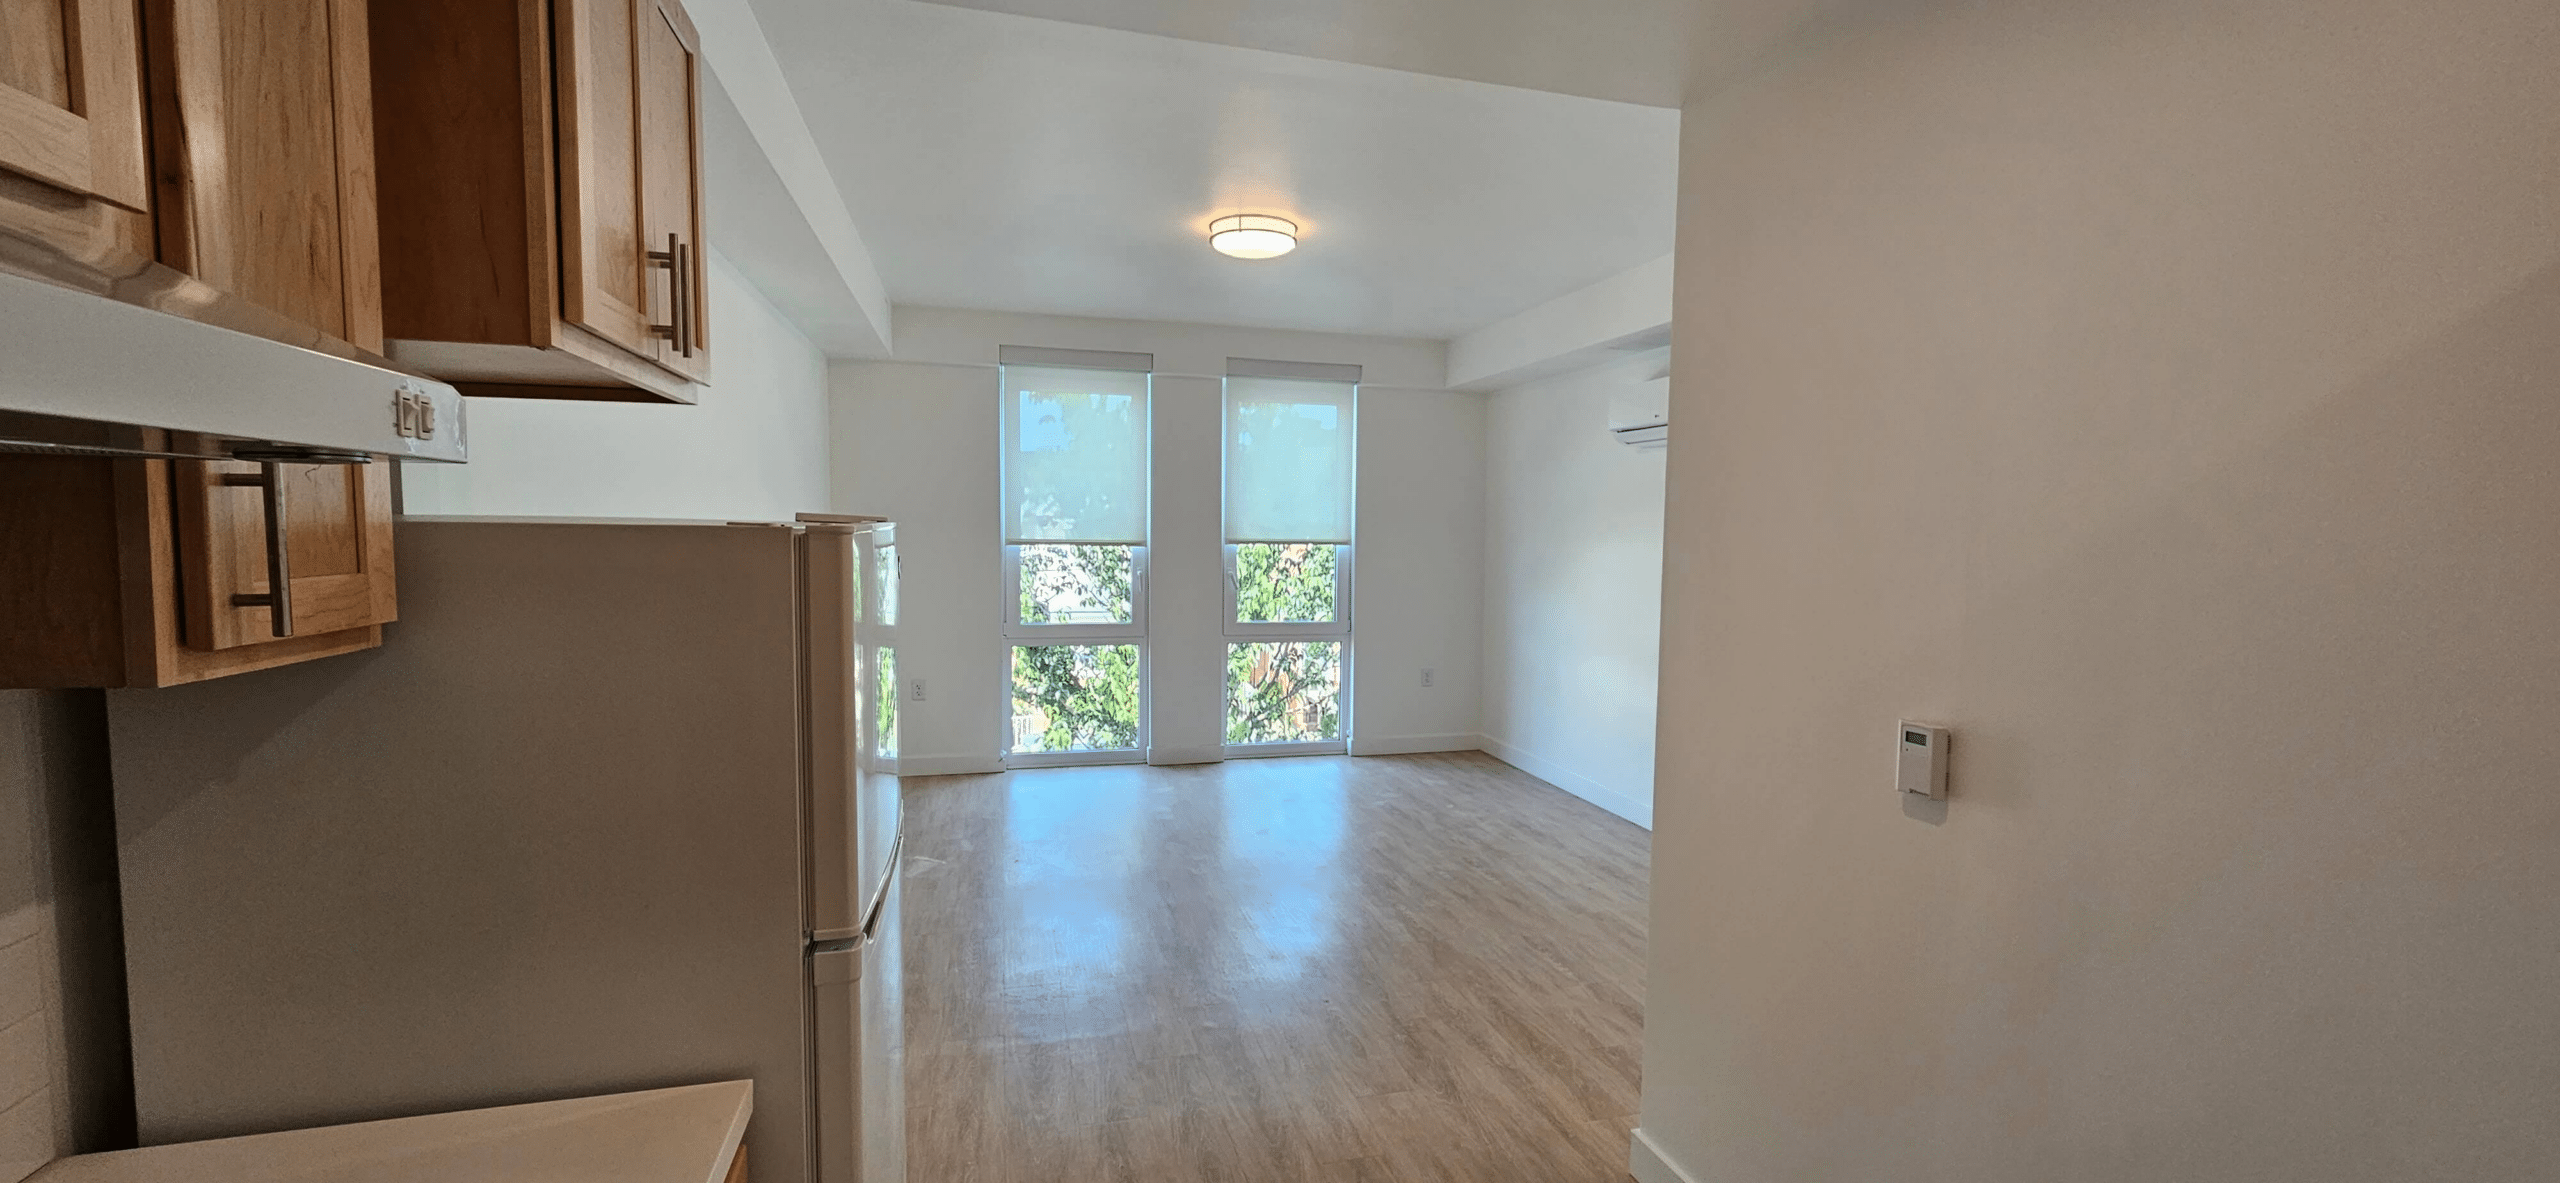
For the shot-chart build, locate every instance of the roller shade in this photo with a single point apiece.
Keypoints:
(1075, 454)
(1288, 459)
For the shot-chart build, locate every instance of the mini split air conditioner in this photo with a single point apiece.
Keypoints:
(1644, 437)
(1643, 422)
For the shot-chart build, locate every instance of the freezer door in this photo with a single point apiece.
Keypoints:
(857, 997)
(884, 1043)
(836, 1070)
(833, 705)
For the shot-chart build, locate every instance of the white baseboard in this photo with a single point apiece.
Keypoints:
(1649, 1164)
(1160, 755)
(949, 765)
(1409, 745)
(1639, 812)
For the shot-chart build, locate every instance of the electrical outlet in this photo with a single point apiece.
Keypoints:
(915, 690)
(1428, 674)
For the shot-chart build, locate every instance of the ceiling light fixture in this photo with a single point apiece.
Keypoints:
(1253, 236)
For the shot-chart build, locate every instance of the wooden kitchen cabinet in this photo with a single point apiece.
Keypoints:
(631, 221)
(209, 159)
(262, 142)
(124, 572)
(541, 195)
(212, 159)
(337, 533)
(73, 154)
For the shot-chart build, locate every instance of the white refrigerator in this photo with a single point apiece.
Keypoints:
(608, 810)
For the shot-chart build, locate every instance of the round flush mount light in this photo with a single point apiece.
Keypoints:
(1253, 236)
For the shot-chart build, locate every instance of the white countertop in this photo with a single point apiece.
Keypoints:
(678, 1135)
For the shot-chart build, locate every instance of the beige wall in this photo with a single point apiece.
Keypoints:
(65, 1084)
(2167, 397)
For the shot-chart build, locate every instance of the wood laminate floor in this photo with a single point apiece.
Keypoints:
(1400, 969)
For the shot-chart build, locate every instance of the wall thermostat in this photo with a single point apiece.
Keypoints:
(1920, 760)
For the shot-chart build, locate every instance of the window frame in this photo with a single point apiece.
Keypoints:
(1345, 584)
(1012, 633)
(1300, 747)
(1134, 754)
(1245, 632)
(1017, 635)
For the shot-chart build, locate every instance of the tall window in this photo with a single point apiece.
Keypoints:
(1075, 444)
(1288, 524)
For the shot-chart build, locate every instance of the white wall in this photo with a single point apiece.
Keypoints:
(1573, 587)
(1186, 592)
(916, 440)
(2166, 397)
(1573, 331)
(750, 84)
(754, 448)
(1419, 602)
(916, 443)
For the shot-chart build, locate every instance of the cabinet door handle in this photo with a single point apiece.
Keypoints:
(687, 312)
(278, 598)
(678, 260)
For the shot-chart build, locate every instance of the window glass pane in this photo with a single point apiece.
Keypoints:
(886, 726)
(1075, 698)
(885, 560)
(1075, 455)
(1284, 691)
(1286, 582)
(1078, 584)
(1288, 460)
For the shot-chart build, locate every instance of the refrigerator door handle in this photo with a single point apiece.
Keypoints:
(880, 893)
(836, 962)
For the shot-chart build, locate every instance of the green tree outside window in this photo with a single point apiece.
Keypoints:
(1069, 698)
(1284, 691)
(1285, 582)
(1067, 584)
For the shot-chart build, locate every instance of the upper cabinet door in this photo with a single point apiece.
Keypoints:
(263, 113)
(630, 215)
(602, 259)
(671, 182)
(71, 97)
(335, 523)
